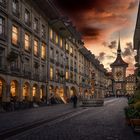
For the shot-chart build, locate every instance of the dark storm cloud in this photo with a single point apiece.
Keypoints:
(133, 4)
(101, 56)
(128, 51)
(110, 45)
(72, 6)
(91, 32)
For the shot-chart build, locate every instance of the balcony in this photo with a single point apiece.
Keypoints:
(3, 68)
(3, 37)
(27, 74)
(15, 70)
(43, 78)
(36, 77)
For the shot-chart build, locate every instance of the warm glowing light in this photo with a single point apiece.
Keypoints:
(13, 88)
(43, 51)
(14, 35)
(27, 42)
(51, 73)
(35, 47)
(1, 84)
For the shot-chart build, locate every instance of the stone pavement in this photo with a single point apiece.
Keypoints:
(101, 123)
(9, 120)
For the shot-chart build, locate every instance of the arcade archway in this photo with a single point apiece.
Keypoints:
(2, 88)
(26, 91)
(14, 90)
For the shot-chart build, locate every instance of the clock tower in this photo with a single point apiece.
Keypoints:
(119, 73)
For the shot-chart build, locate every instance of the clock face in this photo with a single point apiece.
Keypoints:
(118, 74)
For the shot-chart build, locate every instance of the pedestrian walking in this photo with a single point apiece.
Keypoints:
(74, 100)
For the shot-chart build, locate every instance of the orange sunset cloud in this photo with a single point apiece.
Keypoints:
(99, 22)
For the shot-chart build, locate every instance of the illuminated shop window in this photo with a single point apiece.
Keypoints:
(13, 88)
(56, 38)
(61, 42)
(34, 91)
(1, 88)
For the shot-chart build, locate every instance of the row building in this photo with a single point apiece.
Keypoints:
(43, 55)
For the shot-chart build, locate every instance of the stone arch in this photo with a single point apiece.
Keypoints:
(14, 90)
(51, 89)
(86, 93)
(35, 94)
(73, 91)
(2, 89)
(42, 92)
(67, 92)
(26, 89)
(56, 91)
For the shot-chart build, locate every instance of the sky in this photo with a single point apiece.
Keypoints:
(100, 22)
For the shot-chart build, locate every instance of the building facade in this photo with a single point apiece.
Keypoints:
(136, 41)
(119, 73)
(40, 54)
(130, 84)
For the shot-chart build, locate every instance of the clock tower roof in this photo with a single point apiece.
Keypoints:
(119, 61)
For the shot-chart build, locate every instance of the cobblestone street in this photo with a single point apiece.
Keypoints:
(101, 123)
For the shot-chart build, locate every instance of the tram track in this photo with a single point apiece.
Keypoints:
(5, 134)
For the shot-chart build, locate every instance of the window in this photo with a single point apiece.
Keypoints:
(35, 47)
(27, 16)
(3, 3)
(57, 56)
(56, 38)
(51, 52)
(35, 27)
(56, 74)
(43, 51)
(61, 43)
(1, 26)
(67, 47)
(51, 73)
(71, 50)
(1, 58)
(51, 34)
(43, 31)
(27, 41)
(67, 75)
(15, 6)
(14, 35)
